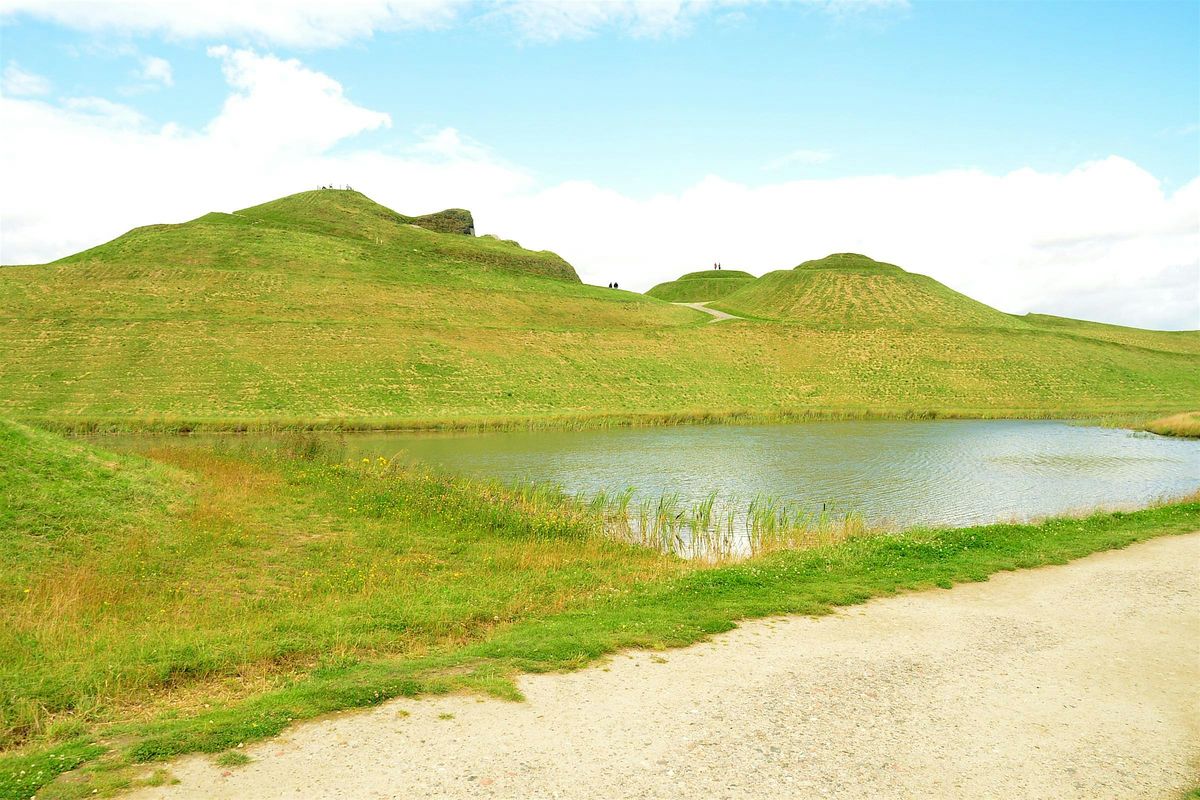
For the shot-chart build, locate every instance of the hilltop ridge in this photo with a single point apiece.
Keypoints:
(851, 262)
(346, 212)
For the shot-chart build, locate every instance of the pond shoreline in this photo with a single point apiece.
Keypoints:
(894, 474)
(125, 425)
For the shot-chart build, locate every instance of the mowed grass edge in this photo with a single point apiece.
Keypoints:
(102, 425)
(661, 608)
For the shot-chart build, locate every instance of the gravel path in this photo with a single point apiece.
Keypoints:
(1079, 681)
(717, 315)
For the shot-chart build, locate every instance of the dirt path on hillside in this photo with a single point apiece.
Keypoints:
(1079, 681)
(717, 315)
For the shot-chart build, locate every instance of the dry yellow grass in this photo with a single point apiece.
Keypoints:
(1186, 424)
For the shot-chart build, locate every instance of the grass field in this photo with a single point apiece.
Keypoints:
(325, 309)
(191, 598)
(701, 287)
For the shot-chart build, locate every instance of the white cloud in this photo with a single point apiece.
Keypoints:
(801, 156)
(21, 83)
(451, 144)
(157, 70)
(305, 23)
(282, 109)
(1103, 241)
(319, 23)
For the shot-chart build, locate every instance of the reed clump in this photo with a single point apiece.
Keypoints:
(720, 530)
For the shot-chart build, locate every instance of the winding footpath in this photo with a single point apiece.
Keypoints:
(1075, 681)
(718, 316)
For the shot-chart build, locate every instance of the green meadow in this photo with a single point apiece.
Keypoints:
(167, 597)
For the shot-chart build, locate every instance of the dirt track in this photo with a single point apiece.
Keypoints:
(716, 315)
(1080, 681)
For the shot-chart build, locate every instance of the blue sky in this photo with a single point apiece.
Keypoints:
(645, 100)
(898, 90)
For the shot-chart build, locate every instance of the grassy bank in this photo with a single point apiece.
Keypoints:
(583, 421)
(1186, 425)
(189, 599)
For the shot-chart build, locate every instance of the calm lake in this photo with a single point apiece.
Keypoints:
(904, 473)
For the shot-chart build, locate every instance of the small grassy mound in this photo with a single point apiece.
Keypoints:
(701, 287)
(847, 290)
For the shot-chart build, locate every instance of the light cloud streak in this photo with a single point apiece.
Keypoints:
(319, 23)
(18, 82)
(801, 156)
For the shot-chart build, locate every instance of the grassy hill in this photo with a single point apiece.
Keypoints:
(321, 230)
(847, 290)
(701, 287)
(325, 308)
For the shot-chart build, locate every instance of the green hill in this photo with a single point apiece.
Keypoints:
(701, 287)
(325, 308)
(321, 230)
(847, 290)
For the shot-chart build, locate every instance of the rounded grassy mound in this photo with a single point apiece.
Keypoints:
(852, 290)
(701, 287)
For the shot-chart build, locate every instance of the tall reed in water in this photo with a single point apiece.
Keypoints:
(715, 530)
